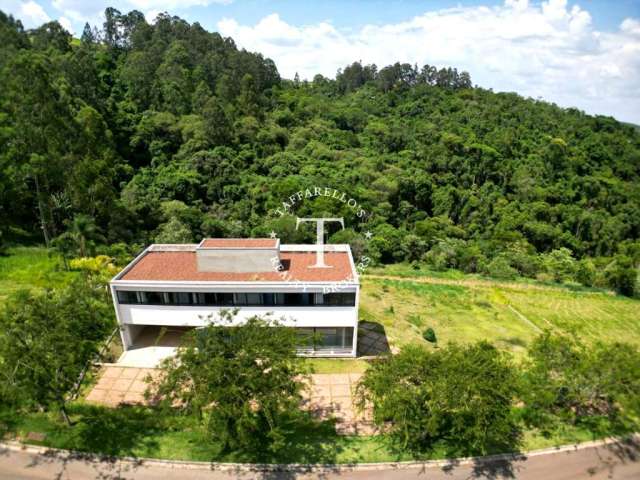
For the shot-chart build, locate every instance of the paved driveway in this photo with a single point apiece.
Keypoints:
(328, 396)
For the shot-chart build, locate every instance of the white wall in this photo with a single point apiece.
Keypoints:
(195, 316)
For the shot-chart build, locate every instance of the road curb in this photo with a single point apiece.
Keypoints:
(300, 467)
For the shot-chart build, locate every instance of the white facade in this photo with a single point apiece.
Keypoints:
(332, 320)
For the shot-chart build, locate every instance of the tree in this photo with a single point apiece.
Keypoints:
(83, 230)
(46, 339)
(461, 395)
(243, 382)
(560, 264)
(566, 380)
(622, 276)
(217, 125)
(175, 229)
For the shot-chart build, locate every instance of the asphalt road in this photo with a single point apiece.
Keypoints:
(613, 461)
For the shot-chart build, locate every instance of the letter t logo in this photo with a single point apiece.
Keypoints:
(319, 237)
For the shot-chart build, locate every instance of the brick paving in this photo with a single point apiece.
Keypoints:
(120, 385)
(328, 396)
(332, 396)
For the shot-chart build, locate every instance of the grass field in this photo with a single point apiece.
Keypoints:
(30, 267)
(509, 314)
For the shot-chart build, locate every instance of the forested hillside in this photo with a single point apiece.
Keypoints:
(166, 132)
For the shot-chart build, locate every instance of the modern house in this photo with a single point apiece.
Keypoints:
(168, 289)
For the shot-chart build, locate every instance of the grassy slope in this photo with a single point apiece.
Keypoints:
(29, 267)
(510, 314)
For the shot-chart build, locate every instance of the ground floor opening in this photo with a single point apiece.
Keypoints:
(149, 345)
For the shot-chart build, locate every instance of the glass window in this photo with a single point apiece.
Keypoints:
(268, 298)
(152, 298)
(347, 299)
(323, 338)
(221, 299)
(179, 298)
(209, 298)
(253, 299)
(127, 297)
(224, 299)
(298, 299)
(305, 337)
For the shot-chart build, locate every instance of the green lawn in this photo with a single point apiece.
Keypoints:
(142, 432)
(508, 314)
(30, 267)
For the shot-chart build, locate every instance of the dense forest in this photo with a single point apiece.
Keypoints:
(165, 132)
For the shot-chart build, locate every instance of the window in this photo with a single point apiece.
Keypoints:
(323, 338)
(254, 299)
(224, 299)
(179, 298)
(269, 298)
(151, 298)
(127, 297)
(298, 299)
(343, 299)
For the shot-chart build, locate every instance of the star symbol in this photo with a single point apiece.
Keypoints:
(368, 234)
(273, 234)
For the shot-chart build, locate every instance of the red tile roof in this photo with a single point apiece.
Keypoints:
(181, 266)
(239, 243)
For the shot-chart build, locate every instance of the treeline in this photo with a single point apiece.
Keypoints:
(145, 132)
(398, 75)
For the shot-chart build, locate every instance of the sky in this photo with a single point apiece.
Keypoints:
(579, 53)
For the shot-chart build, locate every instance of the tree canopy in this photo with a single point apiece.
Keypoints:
(243, 381)
(136, 115)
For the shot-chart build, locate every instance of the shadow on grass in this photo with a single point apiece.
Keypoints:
(306, 440)
(114, 431)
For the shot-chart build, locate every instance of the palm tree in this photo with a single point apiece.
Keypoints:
(83, 229)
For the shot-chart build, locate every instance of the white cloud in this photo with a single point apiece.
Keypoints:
(549, 50)
(168, 5)
(66, 23)
(32, 14)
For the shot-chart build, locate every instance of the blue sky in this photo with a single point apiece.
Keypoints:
(582, 53)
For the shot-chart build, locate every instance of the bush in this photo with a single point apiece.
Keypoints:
(460, 395)
(560, 264)
(586, 272)
(429, 335)
(500, 268)
(622, 276)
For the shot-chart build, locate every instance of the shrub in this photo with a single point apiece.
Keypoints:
(429, 335)
(586, 273)
(500, 268)
(622, 276)
(560, 264)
